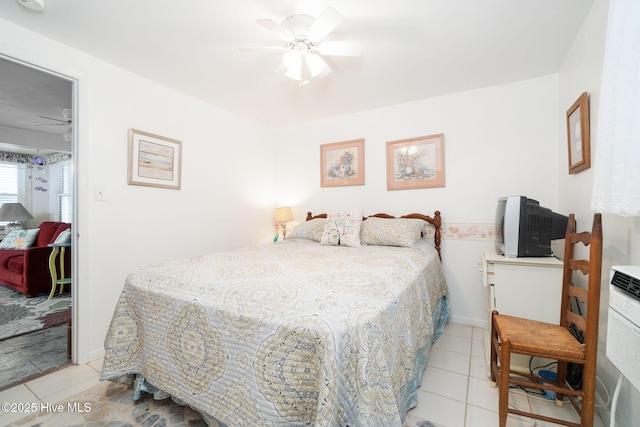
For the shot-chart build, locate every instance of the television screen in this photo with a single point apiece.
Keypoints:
(526, 229)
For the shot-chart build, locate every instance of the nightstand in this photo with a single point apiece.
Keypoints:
(55, 282)
(527, 287)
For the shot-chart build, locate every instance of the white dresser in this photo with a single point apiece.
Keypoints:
(525, 287)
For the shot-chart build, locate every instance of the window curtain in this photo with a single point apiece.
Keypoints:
(616, 185)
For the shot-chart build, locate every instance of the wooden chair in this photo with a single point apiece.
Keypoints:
(511, 334)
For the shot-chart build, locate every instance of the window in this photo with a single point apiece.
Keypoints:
(13, 188)
(65, 191)
(8, 182)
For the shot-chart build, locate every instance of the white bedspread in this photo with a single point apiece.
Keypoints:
(292, 333)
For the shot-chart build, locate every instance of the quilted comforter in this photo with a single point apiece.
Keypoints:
(293, 333)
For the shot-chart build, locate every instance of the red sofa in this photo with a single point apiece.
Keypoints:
(27, 271)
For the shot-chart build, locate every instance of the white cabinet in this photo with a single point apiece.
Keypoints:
(525, 287)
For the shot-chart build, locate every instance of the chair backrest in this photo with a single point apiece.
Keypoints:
(587, 324)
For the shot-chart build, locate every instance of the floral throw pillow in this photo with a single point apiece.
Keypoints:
(19, 239)
(343, 228)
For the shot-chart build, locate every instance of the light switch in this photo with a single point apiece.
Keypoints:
(100, 194)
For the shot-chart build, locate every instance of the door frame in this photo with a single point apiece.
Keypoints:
(75, 78)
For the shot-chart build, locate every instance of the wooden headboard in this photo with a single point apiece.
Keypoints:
(436, 221)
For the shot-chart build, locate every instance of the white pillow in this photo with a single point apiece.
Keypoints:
(391, 231)
(64, 237)
(311, 230)
(343, 228)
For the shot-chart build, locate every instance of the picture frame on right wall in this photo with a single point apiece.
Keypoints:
(578, 139)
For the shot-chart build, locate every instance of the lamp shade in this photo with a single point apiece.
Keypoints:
(283, 215)
(14, 212)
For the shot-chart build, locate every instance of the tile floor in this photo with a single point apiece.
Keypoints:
(29, 355)
(455, 391)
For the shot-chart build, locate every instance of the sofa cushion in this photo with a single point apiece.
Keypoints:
(16, 264)
(49, 230)
(8, 258)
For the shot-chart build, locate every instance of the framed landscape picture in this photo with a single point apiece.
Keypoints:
(154, 160)
(415, 163)
(342, 163)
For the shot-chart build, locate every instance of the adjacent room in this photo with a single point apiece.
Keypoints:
(36, 211)
(199, 143)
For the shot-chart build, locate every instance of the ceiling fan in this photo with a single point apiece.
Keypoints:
(305, 46)
(66, 121)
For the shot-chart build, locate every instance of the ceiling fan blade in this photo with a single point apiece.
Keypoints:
(263, 48)
(328, 21)
(340, 48)
(65, 122)
(274, 27)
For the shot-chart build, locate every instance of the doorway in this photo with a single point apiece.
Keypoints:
(37, 138)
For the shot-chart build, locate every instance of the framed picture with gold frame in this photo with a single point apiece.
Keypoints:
(342, 163)
(154, 160)
(415, 163)
(578, 139)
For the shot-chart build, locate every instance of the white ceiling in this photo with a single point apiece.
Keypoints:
(27, 96)
(412, 49)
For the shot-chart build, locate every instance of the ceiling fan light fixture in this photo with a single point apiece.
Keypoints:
(37, 5)
(303, 58)
(317, 66)
(292, 60)
(294, 74)
(297, 25)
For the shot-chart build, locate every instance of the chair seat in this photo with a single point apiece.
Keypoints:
(534, 337)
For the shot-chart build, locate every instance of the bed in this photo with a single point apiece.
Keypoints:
(290, 333)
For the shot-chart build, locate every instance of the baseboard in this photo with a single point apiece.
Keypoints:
(468, 321)
(96, 354)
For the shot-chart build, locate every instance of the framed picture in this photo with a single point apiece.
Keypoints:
(578, 135)
(154, 160)
(342, 163)
(415, 163)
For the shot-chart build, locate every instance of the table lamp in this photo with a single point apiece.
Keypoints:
(16, 214)
(281, 216)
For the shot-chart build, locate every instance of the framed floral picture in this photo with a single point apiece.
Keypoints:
(415, 163)
(578, 135)
(342, 163)
(154, 160)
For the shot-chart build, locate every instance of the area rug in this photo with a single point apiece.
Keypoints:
(19, 314)
(112, 404)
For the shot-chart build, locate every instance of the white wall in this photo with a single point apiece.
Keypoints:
(226, 198)
(581, 71)
(499, 141)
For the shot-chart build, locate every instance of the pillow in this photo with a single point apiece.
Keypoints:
(19, 239)
(64, 237)
(342, 228)
(391, 231)
(311, 230)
